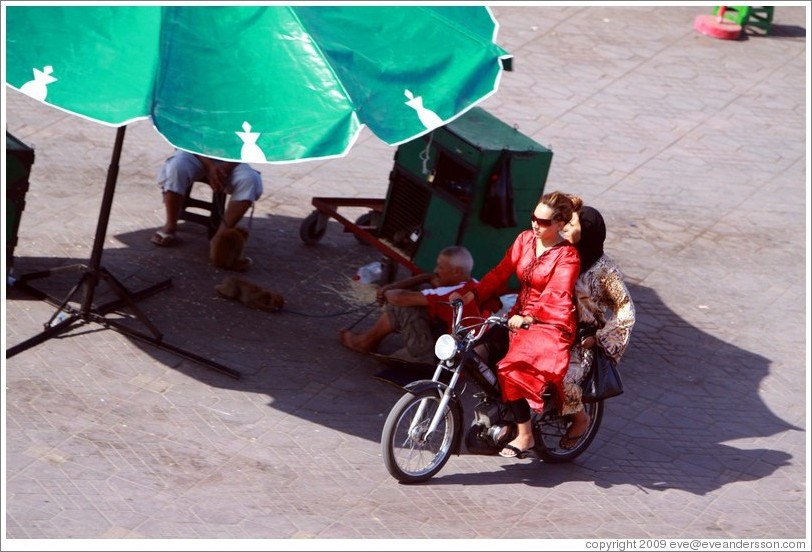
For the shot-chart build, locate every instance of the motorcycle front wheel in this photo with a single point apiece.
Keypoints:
(549, 429)
(410, 455)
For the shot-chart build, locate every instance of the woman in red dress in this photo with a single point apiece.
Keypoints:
(543, 319)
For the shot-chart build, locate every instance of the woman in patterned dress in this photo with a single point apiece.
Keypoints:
(599, 290)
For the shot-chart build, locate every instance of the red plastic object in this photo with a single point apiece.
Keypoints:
(717, 27)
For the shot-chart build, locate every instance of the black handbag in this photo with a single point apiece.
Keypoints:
(603, 380)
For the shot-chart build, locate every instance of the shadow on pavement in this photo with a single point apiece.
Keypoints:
(650, 435)
(786, 31)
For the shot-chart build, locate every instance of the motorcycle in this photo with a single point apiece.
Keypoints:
(424, 428)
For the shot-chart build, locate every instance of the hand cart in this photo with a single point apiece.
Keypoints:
(365, 228)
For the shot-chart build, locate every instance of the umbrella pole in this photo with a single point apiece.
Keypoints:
(90, 279)
(101, 227)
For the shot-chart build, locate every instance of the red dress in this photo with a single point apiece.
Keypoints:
(541, 353)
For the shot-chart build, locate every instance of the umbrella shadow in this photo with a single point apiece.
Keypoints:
(688, 393)
(292, 356)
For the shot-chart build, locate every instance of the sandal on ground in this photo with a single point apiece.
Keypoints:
(516, 453)
(162, 239)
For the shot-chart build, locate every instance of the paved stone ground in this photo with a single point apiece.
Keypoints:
(692, 147)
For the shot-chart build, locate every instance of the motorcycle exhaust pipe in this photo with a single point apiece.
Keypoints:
(501, 434)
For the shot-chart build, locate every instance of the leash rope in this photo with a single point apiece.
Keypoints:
(333, 315)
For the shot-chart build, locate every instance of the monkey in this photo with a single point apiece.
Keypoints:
(250, 294)
(227, 249)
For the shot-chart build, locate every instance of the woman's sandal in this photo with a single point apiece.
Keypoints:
(573, 441)
(518, 454)
(568, 441)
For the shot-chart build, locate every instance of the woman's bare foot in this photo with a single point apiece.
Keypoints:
(576, 430)
(353, 342)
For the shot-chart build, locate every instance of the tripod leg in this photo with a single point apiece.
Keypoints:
(49, 332)
(51, 329)
(63, 306)
(50, 272)
(122, 292)
(137, 296)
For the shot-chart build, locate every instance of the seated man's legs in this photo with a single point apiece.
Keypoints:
(178, 174)
(414, 325)
(244, 188)
(368, 341)
(411, 322)
(175, 177)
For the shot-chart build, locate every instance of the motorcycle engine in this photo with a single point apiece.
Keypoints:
(489, 430)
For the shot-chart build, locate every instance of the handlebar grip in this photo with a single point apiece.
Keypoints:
(503, 320)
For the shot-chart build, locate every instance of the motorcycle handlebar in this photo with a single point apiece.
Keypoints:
(503, 320)
(456, 306)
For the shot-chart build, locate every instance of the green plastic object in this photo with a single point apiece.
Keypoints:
(19, 158)
(438, 185)
(748, 16)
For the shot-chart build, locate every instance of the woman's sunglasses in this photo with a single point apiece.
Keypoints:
(540, 221)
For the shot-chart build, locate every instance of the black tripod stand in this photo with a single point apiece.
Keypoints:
(94, 273)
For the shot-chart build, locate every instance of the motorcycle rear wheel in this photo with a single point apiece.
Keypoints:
(407, 454)
(550, 428)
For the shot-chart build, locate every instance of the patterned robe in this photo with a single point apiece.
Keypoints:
(599, 290)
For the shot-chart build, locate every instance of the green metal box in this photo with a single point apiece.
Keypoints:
(19, 158)
(438, 186)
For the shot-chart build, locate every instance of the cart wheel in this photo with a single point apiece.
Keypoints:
(313, 228)
(365, 221)
(390, 270)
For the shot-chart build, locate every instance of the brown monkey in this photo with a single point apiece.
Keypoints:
(227, 249)
(250, 294)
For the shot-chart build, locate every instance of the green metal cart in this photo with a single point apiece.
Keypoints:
(438, 188)
(19, 158)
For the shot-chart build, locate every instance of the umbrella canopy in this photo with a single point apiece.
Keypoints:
(254, 83)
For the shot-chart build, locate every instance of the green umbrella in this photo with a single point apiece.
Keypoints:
(247, 83)
(257, 83)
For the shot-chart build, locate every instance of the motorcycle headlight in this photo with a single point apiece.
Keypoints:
(446, 347)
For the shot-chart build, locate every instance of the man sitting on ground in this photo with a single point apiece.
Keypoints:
(417, 314)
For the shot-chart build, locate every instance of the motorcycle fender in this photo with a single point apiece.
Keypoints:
(419, 386)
